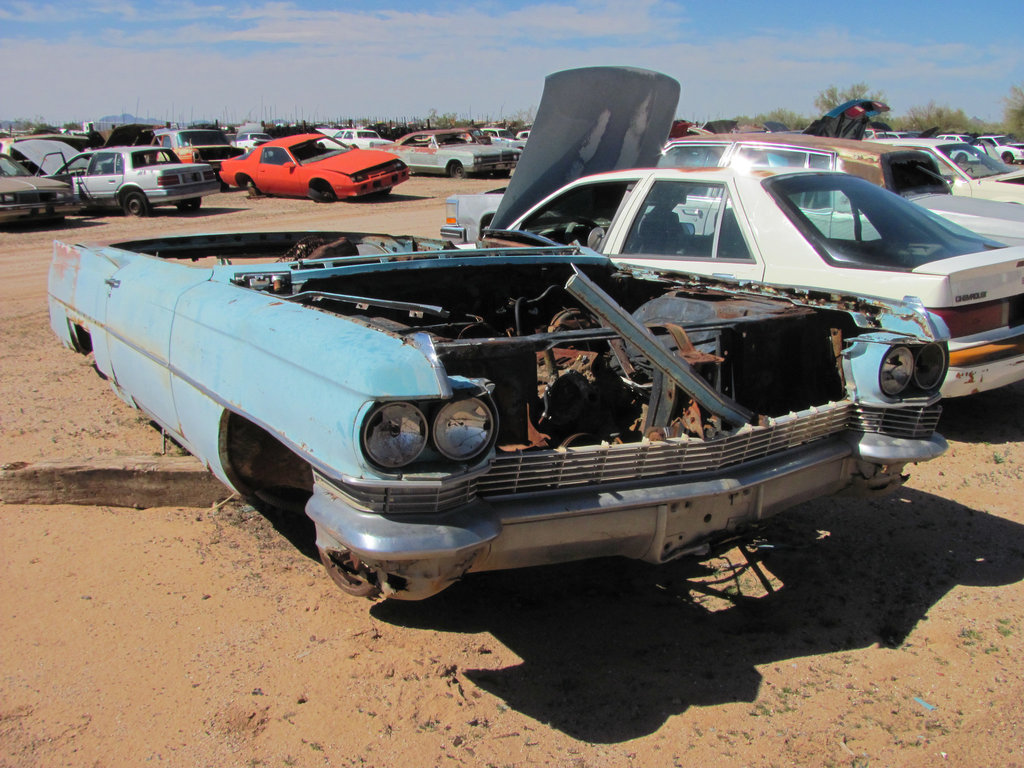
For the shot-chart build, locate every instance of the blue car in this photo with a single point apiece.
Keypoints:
(437, 412)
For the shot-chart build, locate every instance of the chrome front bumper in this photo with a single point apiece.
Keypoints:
(653, 520)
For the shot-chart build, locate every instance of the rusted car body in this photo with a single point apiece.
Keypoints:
(439, 412)
(453, 152)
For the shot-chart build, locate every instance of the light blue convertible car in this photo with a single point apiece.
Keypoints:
(437, 412)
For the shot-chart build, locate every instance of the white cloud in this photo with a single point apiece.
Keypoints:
(188, 60)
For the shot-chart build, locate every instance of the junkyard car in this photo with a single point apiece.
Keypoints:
(441, 412)
(903, 166)
(824, 230)
(969, 171)
(198, 145)
(363, 138)
(314, 166)
(24, 197)
(1006, 148)
(454, 153)
(502, 137)
(135, 179)
(249, 139)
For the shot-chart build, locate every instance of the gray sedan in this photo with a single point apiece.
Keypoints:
(135, 179)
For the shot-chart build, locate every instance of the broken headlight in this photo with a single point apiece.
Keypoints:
(394, 434)
(896, 371)
(463, 429)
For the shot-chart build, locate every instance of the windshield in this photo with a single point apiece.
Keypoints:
(315, 150)
(973, 161)
(10, 168)
(692, 156)
(854, 223)
(201, 138)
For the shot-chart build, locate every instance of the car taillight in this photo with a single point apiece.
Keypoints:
(975, 318)
(169, 180)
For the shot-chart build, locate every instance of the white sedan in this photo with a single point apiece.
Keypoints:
(969, 171)
(363, 138)
(825, 231)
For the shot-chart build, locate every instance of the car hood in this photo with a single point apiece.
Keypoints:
(590, 120)
(133, 134)
(354, 160)
(46, 154)
(18, 183)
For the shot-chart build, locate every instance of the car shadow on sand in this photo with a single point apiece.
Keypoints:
(610, 649)
(995, 416)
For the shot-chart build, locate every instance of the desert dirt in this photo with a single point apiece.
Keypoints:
(893, 634)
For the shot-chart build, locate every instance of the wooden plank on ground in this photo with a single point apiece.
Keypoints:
(116, 481)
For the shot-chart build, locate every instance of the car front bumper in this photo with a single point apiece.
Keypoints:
(654, 520)
(37, 210)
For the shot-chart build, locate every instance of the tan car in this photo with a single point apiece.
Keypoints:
(28, 198)
(198, 145)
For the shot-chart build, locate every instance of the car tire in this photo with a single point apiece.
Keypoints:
(1008, 158)
(192, 204)
(135, 203)
(456, 170)
(321, 192)
(244, 182)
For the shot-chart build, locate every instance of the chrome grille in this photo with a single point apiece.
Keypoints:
(546, 470)
(896, 422)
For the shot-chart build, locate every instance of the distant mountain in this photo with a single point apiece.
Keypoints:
(109, 121)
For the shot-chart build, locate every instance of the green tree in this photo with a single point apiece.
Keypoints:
(1013, 112)
(933, 115)
(832, 96)
(787, 117)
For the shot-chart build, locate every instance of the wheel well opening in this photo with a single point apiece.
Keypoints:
(259, 464)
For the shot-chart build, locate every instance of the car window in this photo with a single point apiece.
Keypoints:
(165, 141)
(853, 223)
(972, 161)
(10, 168)
(201, 138)
(275, 156)
(684, 218)
(368, 135)
(145, 158)
(781, 157)
(106, 164)
(573, 215)
(692, 155)
(77, 165)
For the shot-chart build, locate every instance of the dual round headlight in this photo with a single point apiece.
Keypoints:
(395, 434)
(902, 366)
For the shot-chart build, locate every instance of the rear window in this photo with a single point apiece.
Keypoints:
(854, 223)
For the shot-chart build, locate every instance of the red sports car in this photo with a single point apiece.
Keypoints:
(315, 166)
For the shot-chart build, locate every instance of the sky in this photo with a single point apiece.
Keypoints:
(319, 61)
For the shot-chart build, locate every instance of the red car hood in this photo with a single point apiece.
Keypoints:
(354, 160)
